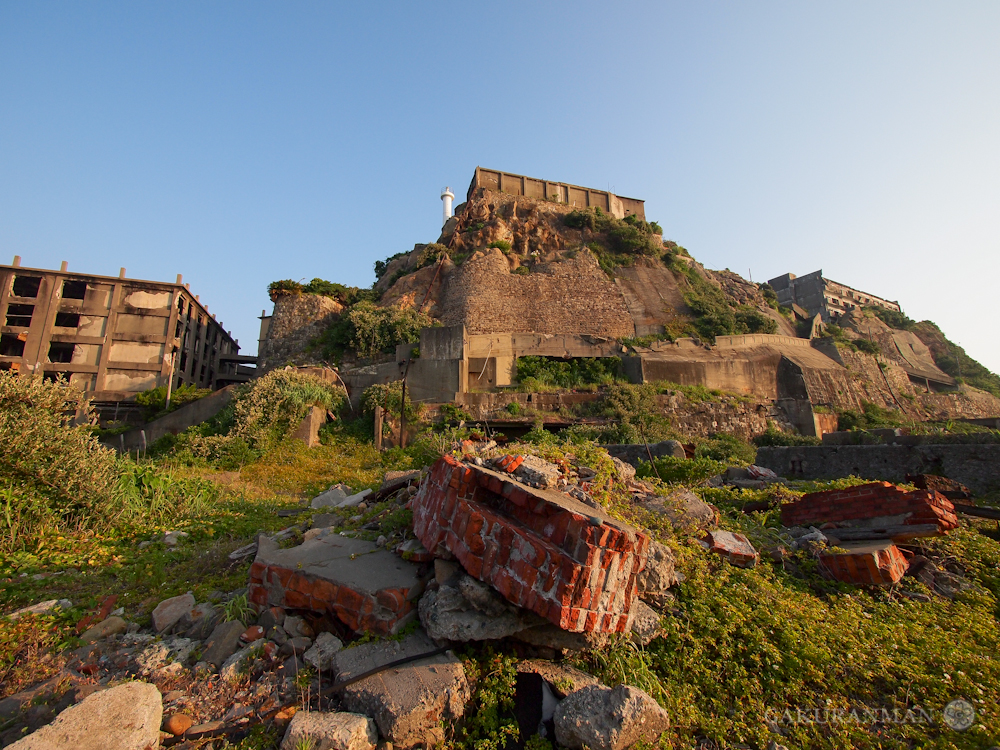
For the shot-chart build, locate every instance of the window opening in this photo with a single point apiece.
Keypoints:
(26, 286)
(19, 315)
(67, 320)
(74, 289)
(11, 345)
(61, 352)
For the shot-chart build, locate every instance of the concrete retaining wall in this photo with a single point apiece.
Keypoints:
(976, 466)
(173, 423)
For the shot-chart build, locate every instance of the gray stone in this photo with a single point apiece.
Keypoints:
(320, 655)
(448, 615)
(330, 731)
(297, 627)
(271, 617)
(686, 511)
(223, 641)
(552, 636)
(171, 538)
(294, 646)
(412, 703)
(159, 654)
(645, 624)
(169, 611)
(108, 626)
(41, 608)
(126, 717)
(199, 621)
(601, 718)
(395, 479)
(325, 520)
(239, 664)
(329, 499)
(446, 572)
(278, 635)
(483, 596)
(658, 576)
(538, 472)
(623, 471)
(354, 500)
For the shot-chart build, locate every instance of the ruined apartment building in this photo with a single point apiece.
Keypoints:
(830, 299)
(558, 192)
(112, 337)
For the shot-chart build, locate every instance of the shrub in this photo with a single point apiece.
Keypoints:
(431, 254)
(502, 245)
(871, 416)
(277, 289)
(774, 436)
(628, 236)
(389, 396)
(680, 470)
(381, 266)
(726, 448)
(572, 373)
(866, 346)
(522, 271)
(367, 329)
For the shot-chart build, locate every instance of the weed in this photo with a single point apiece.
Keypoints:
(502, 245)
(238, 609)
(572, 373)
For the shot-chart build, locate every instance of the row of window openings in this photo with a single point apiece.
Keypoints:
(11, 345)
(20, 316)
(27, 286)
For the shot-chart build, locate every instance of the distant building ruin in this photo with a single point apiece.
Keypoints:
(559, 192)
(112, 337)
(819, 295)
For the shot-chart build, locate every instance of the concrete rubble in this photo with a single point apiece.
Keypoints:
(330, 731)
(602, 718)
(411, 703)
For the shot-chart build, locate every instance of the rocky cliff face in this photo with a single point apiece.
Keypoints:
(297, 319)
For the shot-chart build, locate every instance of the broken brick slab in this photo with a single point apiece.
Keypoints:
(734, 547)
(873, 504)
(865, 563)
(367, 588)
(542, 550)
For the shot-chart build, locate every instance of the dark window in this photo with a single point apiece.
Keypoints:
(19, 315)
(74, 289)
(67, 320)
(26, 286)
(11, 345)
(4, 366)
(184, 360)
(60, 351)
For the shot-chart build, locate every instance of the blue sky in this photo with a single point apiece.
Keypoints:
(238, 143)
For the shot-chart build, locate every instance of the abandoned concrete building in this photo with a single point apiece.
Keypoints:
(821, 296)
(113, 337)
(558, 192)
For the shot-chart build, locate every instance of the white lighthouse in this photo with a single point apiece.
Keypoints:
(447, 197)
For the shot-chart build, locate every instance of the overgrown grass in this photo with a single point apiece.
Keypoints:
(548, 372)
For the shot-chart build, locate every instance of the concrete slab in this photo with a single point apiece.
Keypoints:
(412, 703)
(366, 587)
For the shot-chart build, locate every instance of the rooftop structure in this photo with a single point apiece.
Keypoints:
(112, 337)
(560, 192)
(828, 298)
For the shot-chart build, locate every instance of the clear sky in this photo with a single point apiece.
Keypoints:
(239, 143)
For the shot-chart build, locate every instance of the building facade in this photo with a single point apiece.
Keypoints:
(830, 299)
(112, 337)
(560, 192)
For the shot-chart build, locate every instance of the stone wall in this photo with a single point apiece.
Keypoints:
(296, 321)
(571, 296)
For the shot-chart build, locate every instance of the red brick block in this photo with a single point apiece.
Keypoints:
(865, 563)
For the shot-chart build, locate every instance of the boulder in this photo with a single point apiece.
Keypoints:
(601, 718)
(158, 654)
(538, 472)
(110, 626)
(563, 678)
(623, 472)
(448, 615)
(199, 621)
(330, 498)
(320, 654)
(126, 717)
(645, 624)
(658, 576)
(330, 731)
(223, 642)
(41, 608)
(685, 510)
(169, 611)
(412, 703)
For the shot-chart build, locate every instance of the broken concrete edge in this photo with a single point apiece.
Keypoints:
(571, 564)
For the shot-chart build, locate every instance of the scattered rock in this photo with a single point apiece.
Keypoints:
(686, 511)
(320, 655)
(169, 611)
(354, 500)
(410, 704)
(238, 666)
(251, 634)
(126, 717)
(658, 576)
(330, 498)
(325, 520)
(294, 646)
(222, 642)
(158, 654)
(448, 615)
(624, 472)
(395, 479)
(297, 627)
(199, 621)
(563, 678)
(330, 731)
(446, 572)
(171, 538)
(538, 472)
(413, 551)
(603, 718)
(178, 724)
(645, 624)
(41, 608)
(110, 626)
(734, 547)
(271, 617)
(552, 636)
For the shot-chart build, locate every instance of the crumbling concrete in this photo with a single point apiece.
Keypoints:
(411, 704)
(368, 588)
(734, 547)
(602, 718)
(542, 550)
(330, 731)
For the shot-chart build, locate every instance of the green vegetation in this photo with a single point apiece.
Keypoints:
(714, 315)
(501, 245)
(866, 346)
(155, 399)
(345, 295)
(522, 270)
(259, 416)
(628, 236)
(773, 436)
(382, 266)
(871, 416)
(491, 725)
(366, 329)
(390, 397)
(542, 373)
